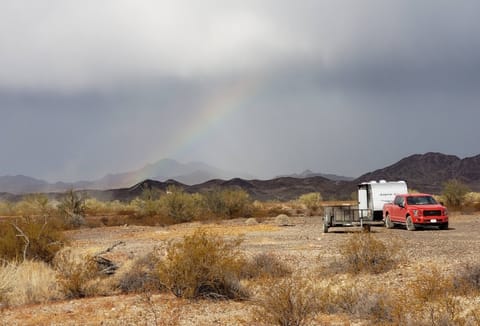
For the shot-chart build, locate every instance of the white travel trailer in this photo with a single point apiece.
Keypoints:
(373, 195)
(371, 198)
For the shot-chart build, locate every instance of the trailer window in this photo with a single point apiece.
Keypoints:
(421, 200)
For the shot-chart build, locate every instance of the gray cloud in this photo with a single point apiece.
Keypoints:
(93, 87)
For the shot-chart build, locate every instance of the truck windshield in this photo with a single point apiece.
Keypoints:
(421, 200)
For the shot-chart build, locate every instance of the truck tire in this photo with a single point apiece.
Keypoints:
(388, 222)
(409, 223)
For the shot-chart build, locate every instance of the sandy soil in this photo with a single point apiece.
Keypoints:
(302, 245)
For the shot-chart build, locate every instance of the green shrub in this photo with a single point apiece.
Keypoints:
(362, 252)
(311, 201)
(288, 302)
(179, 205)
(228, 203)
(203, 265)
(454, 193)
(30, 238)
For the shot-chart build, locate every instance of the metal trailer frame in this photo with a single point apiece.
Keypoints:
(348, 215)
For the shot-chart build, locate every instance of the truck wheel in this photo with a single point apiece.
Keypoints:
(444, 226)
(388, 222)
(409, 223)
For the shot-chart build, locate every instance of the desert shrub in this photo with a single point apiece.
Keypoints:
(30, 238)
(454, 193)
(203, 265)
(288, 302)
(142, 276)
(311, 201)
(179, 205)
(228, 203)
(283, 220)
(72, 209)
(265, 265)
(33, 282)
(355, 299)
(430, 299)
(76, 274)
(362, 252)
(467, 279)
(34, 205)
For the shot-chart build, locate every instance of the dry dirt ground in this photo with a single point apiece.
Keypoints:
(302, 245)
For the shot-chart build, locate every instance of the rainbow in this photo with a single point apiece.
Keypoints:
(227, 100)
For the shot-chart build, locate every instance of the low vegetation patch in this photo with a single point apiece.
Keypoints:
(203, 265)
(142, 277)
(288, 302)
(29, 238)
(265, 265)
(77, 275)
(363, 252)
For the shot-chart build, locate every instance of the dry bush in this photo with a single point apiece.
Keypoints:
(454, 192)
(467, 279)
(72, 209)
(33, 282)
(362, 252)
(77, 274)
(288, 302)
(30, 238)
(142, 276)
(203, 265)
(355, 299)
(265, 265)
(432, 299)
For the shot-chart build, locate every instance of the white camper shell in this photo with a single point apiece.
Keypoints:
(373, 195)
(371, 198)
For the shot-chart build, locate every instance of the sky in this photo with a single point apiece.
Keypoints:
(264, 87)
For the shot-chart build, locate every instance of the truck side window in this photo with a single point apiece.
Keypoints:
(398, 200)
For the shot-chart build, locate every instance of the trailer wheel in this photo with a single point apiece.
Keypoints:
(366, 228)
(409, 223)
(325, 228)
(388, 222)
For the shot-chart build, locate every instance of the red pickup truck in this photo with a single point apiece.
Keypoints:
(414, 210)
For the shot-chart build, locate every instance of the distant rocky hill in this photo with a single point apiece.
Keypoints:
(428, 172)
(423, 172)
(281, 189)
(309, 174)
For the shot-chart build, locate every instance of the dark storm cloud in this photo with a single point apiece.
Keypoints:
(93, 87)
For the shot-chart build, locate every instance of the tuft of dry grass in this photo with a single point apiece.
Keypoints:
(33, 282)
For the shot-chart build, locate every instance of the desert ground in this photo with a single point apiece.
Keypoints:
(301, 245)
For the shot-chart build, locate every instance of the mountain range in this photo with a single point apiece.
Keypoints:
(423, 172)
(188, 174)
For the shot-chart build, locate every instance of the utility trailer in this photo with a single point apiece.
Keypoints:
(371, 198)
